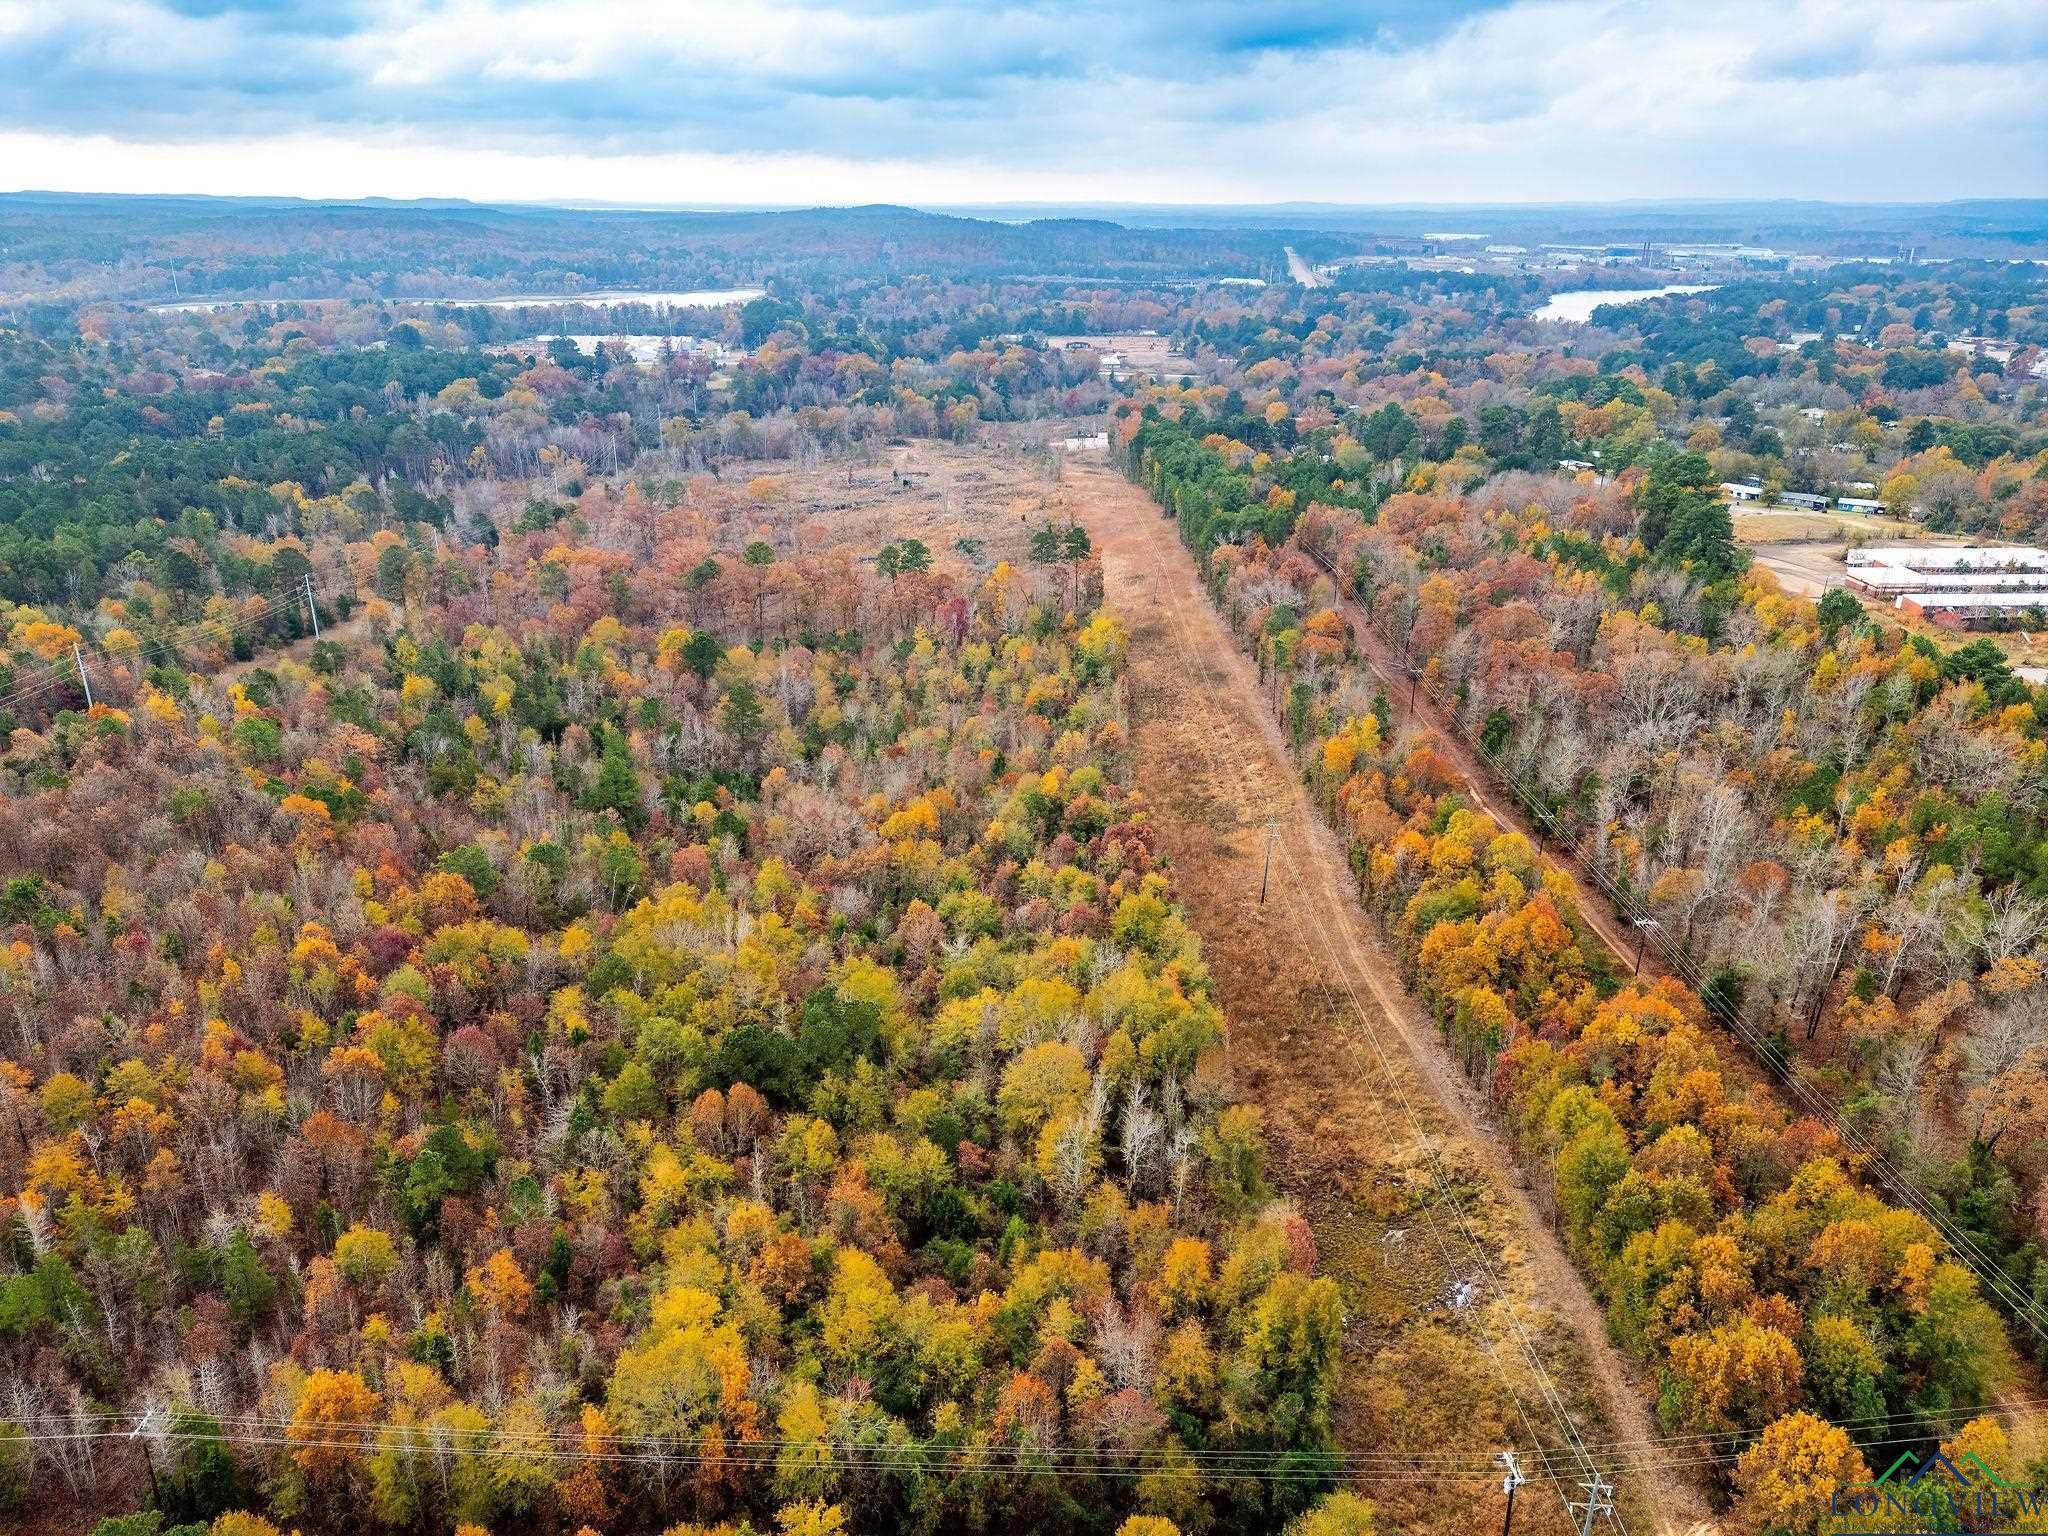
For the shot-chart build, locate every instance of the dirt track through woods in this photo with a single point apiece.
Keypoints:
(1374, 1130)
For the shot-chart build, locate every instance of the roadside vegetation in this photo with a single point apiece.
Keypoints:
(1713, 1219)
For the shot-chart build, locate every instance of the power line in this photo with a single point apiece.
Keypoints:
(1690, 970)
(1902, 1187)
(164, 643)
(1678, 1445)
(1599, 1501)
(566, 1444)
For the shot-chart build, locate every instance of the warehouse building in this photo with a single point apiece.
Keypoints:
(1968, 585)
(1978, 610)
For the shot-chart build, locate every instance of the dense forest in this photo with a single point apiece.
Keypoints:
(155, 249)
(565, 1021)
(663, 1016)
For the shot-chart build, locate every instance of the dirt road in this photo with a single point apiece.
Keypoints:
(1471, 1330)
(1805, 568)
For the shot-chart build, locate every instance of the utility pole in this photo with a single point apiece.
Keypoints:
(78, 656)
(1643, 927)
(144, 1428)
(1266, 873)
(1599, 1501)
(312, 607)
(1508, 1485)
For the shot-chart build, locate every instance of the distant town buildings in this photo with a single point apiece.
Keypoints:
(1743, 491)
(637, 348)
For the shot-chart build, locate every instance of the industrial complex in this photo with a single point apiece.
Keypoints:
(1969, 586)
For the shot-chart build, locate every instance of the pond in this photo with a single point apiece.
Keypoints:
(1577, 305)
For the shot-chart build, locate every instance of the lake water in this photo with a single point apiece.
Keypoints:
(1577, 305)
(694, 298)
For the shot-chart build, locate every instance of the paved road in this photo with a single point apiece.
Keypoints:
(1302, 272)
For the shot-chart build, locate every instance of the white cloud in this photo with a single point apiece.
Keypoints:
(772, 100)
(400, 165)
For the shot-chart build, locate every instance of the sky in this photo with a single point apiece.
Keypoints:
(683, 102)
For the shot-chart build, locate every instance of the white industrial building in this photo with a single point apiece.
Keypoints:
(1965, 610)
(1953, 584)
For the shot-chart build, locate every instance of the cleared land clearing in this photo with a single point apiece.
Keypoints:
(939, 493)
(1805, 568)
(1783, 525)
(1141, 352)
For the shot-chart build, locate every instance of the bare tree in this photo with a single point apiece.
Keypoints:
(2012, 924)
(1915, 918)
(1660, 696)
(1821, 930)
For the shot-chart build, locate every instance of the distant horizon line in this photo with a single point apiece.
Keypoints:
(602, 205)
